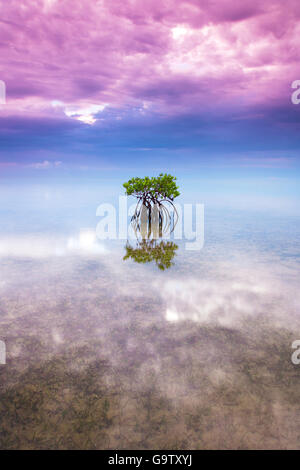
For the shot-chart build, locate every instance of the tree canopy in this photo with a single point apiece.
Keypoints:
(154, 189)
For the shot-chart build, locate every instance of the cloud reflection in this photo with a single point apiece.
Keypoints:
(43, 246)
(231, 300)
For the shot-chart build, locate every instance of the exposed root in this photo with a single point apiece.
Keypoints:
(167, 219)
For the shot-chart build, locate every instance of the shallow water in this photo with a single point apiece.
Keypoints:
(104, 352)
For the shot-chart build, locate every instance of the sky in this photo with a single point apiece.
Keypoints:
(116, 88)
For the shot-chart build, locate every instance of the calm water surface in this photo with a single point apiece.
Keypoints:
(104, 352)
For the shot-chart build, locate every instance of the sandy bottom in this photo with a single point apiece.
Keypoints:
(104, 353)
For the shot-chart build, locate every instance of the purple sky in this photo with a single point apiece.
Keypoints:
(156, 84)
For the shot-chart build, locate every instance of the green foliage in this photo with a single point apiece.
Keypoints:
(148, 250)
(153, 189)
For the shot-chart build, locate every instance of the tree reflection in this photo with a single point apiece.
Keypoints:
(149, 228)
(161, 252)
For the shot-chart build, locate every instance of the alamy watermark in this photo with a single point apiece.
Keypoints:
(116, 223)
(2, 92)
(295, 97)
(2, 352)
(295, 358)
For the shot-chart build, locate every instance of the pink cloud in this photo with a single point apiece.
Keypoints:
(169, 56)
(44, 165)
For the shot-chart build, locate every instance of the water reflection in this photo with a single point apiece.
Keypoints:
(162, 253)
(37, 246)
(105, 366)
(149, 228)
(103, 354)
